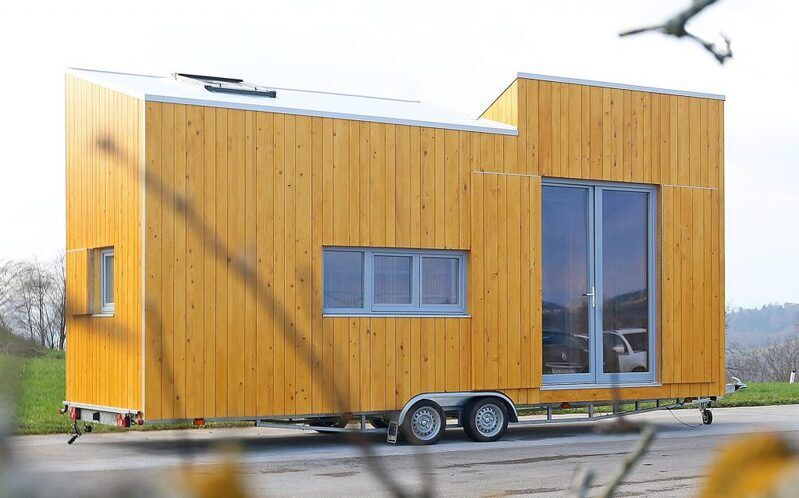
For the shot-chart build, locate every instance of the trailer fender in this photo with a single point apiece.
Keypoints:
(458, 400)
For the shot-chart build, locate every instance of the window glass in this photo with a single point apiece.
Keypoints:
(625, 280)
(343, 279)
(393, 279)
(440, 280)
(107, 280)
(564, 228)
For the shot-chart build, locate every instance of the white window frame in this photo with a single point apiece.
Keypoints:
(415, 308)
(106, 307)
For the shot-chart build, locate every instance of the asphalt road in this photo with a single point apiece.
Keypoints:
(538, 461)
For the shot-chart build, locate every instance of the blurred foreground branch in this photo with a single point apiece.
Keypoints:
(676, 26)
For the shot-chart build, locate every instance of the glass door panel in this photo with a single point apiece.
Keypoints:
(624, 290)
(567, 284)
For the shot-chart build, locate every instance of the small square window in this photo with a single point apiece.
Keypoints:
(107, 281)
(343, 274)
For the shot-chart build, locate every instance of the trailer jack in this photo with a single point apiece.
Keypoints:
(76, 433)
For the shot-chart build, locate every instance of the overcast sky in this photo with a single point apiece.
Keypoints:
(458, 55)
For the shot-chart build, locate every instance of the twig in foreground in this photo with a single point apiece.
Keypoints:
(676, 27)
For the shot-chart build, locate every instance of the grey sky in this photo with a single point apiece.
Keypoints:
(458, 55)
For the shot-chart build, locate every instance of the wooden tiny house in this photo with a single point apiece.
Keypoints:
(300, 253)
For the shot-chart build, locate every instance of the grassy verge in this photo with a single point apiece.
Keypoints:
(763, 393)
(35, 386)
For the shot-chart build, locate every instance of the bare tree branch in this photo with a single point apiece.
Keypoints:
(676, 26)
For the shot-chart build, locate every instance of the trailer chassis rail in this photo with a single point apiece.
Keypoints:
(312, 424)
(703, 404)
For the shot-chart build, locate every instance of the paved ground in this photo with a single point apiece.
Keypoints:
(537, 461)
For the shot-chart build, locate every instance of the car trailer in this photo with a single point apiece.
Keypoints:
(484, 416)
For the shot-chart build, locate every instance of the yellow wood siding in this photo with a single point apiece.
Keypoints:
(239, 205)
(505, 109)
(103, 171)
(504, 284)
(284, 187)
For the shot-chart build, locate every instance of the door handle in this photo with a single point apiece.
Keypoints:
(592, 295)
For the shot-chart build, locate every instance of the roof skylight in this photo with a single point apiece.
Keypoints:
(225, 85)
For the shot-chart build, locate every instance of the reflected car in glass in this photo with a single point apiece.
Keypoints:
(625, 350)
(565, 353)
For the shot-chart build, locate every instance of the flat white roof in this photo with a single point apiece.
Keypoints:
(622, 86)
(293, 101)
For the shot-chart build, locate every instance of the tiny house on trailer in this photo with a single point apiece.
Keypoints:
(239, 252)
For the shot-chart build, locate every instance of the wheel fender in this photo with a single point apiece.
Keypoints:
(457, 400)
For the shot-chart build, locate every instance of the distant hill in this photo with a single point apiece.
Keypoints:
(765, 325)
(17, 346)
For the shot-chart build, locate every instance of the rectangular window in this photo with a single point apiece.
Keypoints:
(394, 281)
(107, 281)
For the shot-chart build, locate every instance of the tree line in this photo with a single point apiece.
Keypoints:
(33, 300)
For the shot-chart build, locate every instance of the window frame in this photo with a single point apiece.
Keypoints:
(415, 308)
(106, 307)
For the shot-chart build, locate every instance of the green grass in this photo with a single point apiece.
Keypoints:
(763, 393)
(39, 393)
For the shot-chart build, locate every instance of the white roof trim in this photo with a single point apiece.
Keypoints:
(621, 86)
(336, 115)
(108, 79)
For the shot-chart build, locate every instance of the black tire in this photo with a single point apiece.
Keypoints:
(424, 423)
(707, 417)
(493, 421)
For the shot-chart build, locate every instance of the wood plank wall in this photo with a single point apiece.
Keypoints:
(103, 207)
(239, 205)
(504, 281)
(505, 109)
(233, 288)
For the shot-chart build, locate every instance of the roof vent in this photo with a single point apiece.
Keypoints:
(225, 85)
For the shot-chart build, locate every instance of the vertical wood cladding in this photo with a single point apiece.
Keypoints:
(103, 206)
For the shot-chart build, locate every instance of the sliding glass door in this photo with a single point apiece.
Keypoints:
(598, 283)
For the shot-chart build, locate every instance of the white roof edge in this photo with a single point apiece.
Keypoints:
(621, 86)
(85, 75)
(490, 126)
(504, 130)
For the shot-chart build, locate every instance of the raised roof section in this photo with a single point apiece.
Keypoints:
(622, 86)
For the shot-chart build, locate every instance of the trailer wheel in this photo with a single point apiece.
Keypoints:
(707, 417)
(424, 424)
(486, 420)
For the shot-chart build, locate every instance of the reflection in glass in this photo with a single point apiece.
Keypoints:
(565, 268)
(343, 278)
(440, 280)
(392, 279)
(624, 281)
